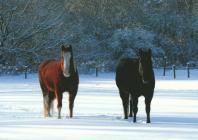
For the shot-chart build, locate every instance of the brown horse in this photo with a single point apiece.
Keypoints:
(56, 77)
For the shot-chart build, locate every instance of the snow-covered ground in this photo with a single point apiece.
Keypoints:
(98, 111)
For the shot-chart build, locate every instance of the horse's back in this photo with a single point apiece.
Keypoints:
(46, 64)
(127, 75)
(128, 64)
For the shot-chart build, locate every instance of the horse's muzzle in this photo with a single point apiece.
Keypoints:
(66, 74)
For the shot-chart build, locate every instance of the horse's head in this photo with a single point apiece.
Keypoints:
(67, 55)
(145, 64)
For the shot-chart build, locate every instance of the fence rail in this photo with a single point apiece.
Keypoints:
(14, 70)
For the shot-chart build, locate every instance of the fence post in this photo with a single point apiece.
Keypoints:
(164, 72)
(174, 71)
(25, 67)
(188, 70)
(96, 71)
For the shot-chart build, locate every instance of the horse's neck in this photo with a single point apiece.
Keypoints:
(72, 64)
(149, 72)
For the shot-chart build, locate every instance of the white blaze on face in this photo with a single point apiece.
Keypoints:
(66, 64)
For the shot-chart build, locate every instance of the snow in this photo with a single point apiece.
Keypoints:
(98, 111)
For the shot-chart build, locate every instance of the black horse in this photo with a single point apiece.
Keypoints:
(135, 77)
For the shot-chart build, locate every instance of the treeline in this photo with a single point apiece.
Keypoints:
(101, 31)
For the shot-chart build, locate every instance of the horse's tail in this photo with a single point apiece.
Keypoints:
(41, 81)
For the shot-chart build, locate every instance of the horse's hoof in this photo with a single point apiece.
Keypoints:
(148, 121)
(130, 115)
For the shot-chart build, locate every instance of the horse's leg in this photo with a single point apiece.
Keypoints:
(59, 97)
(125, 102)
(148, 108)
(46, 105)
(51, 99)
(131, 107)
(72, 96)
(45, 98)
(135, 107)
